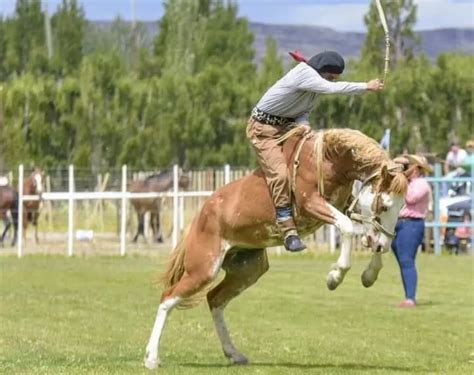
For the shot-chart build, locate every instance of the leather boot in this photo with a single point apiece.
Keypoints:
(291, 240)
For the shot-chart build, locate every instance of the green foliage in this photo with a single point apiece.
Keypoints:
(115, 96)
(401, 18)
(26, 39)
(271, 68)
(69, 25)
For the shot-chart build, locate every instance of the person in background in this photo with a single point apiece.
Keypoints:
(454, 158)
(410, 227)
(470, 147)
(463, 233)
(453, 166)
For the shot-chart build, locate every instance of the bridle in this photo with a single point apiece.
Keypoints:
(350, 212)
(373, 219)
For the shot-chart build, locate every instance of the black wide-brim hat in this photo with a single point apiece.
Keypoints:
(327, 62)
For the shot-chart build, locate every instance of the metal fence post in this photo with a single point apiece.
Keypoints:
(226, 174)
(70, 223)
(472, 204)
(123, 212)
(437, 214)
(20, 211)
(174, 240)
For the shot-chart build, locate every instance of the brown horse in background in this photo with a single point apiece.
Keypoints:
(237, 223)
(8, 206)
(32, 185)
(155, 183)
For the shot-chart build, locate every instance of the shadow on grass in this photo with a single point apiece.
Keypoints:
(307, 366)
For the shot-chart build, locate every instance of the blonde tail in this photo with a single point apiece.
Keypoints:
(175, 267)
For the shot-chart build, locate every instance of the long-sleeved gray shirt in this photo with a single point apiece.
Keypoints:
(294, 95)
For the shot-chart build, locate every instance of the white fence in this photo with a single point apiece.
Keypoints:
(71, 196)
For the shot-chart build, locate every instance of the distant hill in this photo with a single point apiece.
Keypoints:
(312, 39)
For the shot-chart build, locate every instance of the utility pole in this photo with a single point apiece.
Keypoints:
(47, 30)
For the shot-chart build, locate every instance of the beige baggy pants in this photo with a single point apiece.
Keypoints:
(271, 159)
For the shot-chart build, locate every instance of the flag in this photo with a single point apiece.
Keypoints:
(385, 141)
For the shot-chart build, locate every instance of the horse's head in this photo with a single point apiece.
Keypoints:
(379, 202)
(184, 181)
(34, 183)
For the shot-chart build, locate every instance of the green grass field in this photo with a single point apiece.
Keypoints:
(93, 315)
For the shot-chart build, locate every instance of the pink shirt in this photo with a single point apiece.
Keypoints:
(417, 199)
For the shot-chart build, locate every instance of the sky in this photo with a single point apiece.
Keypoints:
(342, 15)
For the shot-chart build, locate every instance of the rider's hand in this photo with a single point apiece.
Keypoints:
(375, 85)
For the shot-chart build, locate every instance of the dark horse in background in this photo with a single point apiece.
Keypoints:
(32, 185)
(155, 183)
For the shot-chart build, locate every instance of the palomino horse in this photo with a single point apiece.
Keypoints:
(237, 223)
(32, 185)
(155, 183)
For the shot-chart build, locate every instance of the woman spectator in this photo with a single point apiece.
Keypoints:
(410, 227)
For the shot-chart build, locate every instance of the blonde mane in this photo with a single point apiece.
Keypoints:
(365, 153)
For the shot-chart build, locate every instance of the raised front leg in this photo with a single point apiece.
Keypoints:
(324, 211)
(371, 273)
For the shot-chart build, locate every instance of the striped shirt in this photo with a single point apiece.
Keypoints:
(294, 95)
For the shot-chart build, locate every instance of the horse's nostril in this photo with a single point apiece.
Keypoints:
(379, 249)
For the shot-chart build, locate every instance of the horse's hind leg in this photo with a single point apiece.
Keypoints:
(35, 223)
(243, 268)
(8, 224)
(141, 226)
(202, 262)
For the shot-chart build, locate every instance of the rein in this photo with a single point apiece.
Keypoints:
(299, 147)
(296, 162)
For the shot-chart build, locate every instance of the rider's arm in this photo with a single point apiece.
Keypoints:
(310, 80)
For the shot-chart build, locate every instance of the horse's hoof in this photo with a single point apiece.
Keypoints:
(331, 281)
(332, 285)
(239, 360)
(151, 364)
(366, 280)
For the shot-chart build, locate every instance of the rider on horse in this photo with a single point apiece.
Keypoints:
(285, 105)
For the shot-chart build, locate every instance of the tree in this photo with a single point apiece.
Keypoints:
(204, 55)
(271, 68)
(401, 18)
(69, 26)
(26, 40)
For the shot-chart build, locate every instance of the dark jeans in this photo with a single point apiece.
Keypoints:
(409, 235)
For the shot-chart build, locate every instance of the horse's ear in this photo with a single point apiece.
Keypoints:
(385, 173)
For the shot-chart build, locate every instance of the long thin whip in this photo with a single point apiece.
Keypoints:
(387, 38)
